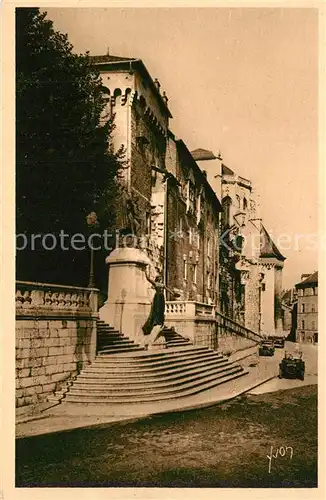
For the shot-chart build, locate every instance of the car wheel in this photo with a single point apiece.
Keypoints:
(302, 376)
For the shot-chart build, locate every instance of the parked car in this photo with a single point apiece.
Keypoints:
(278, 341)
(266, 348)
(292, 366)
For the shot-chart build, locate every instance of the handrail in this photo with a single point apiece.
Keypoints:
(231, 324)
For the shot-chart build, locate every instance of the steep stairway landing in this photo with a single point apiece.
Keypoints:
(111, 341)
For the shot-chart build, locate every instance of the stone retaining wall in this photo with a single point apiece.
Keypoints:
(55, 337)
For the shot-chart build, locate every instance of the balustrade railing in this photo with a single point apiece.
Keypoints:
(175, 307)
(189, 308)
(224, 324)
(31, 295)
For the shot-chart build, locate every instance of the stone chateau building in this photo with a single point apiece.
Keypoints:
(198, 221)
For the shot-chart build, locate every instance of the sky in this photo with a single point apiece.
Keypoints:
(243, 81)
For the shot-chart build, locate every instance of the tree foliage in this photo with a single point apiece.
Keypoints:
(65, 167)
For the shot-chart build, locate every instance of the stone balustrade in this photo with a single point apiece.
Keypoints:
(188, 308)
(56, 329)
(175, 308)
(203, 325)
(46, 297)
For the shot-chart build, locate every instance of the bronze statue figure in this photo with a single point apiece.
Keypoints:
(156, 315)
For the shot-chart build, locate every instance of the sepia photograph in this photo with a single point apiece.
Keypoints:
(166, 247)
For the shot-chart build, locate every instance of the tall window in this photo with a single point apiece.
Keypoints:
(245, 204)
(303, 324)
(148, 223)
(190, 234)
(185, 268)
(194, 275)
(209, 282)
(238, 201)
(226, 205)
(191, 201)
(303, 308)
(313, 325)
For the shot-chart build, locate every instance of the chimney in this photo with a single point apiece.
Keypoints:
(165, 99)
(157, 84)
(205, 173)
(108, 51)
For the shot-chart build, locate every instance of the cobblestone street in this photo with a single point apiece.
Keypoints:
(226, 445)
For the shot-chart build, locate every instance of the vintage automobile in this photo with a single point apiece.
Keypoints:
(278, 341)
(266, 348)
(292, 366)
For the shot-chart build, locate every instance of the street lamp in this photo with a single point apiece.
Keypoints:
(92, 223)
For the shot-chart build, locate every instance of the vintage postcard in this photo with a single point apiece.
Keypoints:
(162, 283)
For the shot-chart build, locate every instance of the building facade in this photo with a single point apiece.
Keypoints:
(242, 273)
(198, 221)
(167, 201)
(307, 310)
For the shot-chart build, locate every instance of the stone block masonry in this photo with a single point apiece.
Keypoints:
(205, 327)
(55, 337)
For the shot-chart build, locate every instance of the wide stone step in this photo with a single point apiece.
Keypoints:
(142, 361)
(153, 362)
(114, 350)
(148, 372)
(152, 384)
(108, 331)
(109, 336)
(190, 391)
(176, 344)
(144, 355)
(118, 343)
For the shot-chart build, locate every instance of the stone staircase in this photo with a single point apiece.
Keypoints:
(111, 341)
(125, 373)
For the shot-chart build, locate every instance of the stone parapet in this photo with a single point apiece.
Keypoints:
(55, 337)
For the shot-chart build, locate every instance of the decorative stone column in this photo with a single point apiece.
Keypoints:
(129, 293)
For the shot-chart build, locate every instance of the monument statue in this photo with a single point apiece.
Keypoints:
(156, 315)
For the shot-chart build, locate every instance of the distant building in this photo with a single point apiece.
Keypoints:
(250, 264)
(272, 263)
(307, 313)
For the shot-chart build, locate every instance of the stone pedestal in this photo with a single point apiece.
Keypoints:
(129, 293)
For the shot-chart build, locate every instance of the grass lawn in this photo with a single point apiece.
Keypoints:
(222, 446)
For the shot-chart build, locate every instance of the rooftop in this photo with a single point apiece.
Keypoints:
(226, 170)
(203, 154)
(107, 58)
(128, 63)
(268, 249)
(310, 281)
